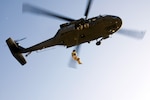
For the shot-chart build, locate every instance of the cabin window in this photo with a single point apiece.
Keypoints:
(83, 26)
(80, 27)
(86, 25)
(94, 19)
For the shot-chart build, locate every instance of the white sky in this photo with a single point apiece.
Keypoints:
(118, 69)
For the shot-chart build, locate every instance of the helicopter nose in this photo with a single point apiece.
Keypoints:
(114, 25)
(117, 20)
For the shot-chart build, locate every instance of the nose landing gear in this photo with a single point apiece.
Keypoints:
(98, 43)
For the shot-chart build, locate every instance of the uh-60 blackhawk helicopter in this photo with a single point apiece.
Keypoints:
(72, 33)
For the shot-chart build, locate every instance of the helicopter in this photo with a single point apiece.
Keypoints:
(72, 33)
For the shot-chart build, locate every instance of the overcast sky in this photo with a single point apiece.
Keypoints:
(118, 69)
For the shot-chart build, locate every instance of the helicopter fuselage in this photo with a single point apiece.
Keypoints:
(81, 31)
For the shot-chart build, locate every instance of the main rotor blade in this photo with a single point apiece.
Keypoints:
(132, 33)
(88, 8)
(36, 10)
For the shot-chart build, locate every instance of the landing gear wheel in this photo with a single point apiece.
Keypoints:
(98, 43)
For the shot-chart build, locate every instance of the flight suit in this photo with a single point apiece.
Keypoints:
(75, 57)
